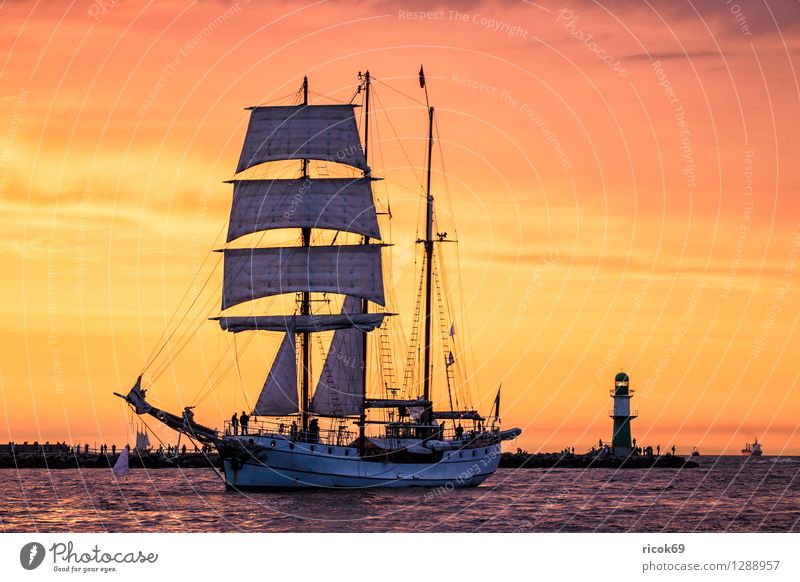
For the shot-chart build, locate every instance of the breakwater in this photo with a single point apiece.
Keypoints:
(43, 457)
(522, 460)
(71, 459)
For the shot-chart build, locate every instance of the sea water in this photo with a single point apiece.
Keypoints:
(726, 494)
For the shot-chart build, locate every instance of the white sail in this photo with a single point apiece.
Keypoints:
(336, 204)
(340, 391)
(347, 269)
(314, 132)
(142, 441)
(279, 395)
(303, 323)
(121, 467)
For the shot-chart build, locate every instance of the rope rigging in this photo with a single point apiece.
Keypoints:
(391, 338)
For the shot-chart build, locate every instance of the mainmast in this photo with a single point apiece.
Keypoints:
(305, 305)
(426, 391)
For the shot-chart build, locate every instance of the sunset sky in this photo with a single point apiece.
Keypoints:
(622, 178)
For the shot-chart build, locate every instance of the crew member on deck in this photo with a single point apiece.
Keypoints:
(243, 420)
(235, 424)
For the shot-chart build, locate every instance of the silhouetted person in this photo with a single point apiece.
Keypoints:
(673, 450)
(313, 429)
(235, 424)
(243, 420)
(658, 450)
(459, 431)
(293, 431)
(86, 449)
(183, 450)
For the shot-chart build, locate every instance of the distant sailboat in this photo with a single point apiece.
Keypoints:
(142, 441)
(752, 449)
(425, 436)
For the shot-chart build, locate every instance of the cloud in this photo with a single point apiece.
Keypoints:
(671, 55)
(724, 19)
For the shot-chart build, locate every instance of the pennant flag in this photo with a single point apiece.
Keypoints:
(451, 360)
(452, 329)
(497, 402)
(421, 78)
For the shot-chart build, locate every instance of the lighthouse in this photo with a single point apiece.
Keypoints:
(622, 415)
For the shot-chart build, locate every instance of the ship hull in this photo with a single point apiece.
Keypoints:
(277, 463)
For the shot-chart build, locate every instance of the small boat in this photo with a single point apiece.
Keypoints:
(695, 452)
(752, 450)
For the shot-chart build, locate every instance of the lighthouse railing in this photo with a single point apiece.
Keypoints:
(613, 392)
(631, 414)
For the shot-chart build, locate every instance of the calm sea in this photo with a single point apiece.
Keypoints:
(725, 494)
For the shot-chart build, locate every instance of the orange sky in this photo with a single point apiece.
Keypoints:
(623, 179)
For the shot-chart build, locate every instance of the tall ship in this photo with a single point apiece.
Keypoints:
(752, 449)
(351, 422)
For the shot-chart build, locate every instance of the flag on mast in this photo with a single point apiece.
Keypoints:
(451, 360)
(421, 78)
(453, 329)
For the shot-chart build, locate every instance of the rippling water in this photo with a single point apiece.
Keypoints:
(725, 494)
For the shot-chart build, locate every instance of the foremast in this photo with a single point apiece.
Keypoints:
(305, 303)
(362, 418)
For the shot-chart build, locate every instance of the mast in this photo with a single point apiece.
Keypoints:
(364, 303)
(305, 306)
(426, 392)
